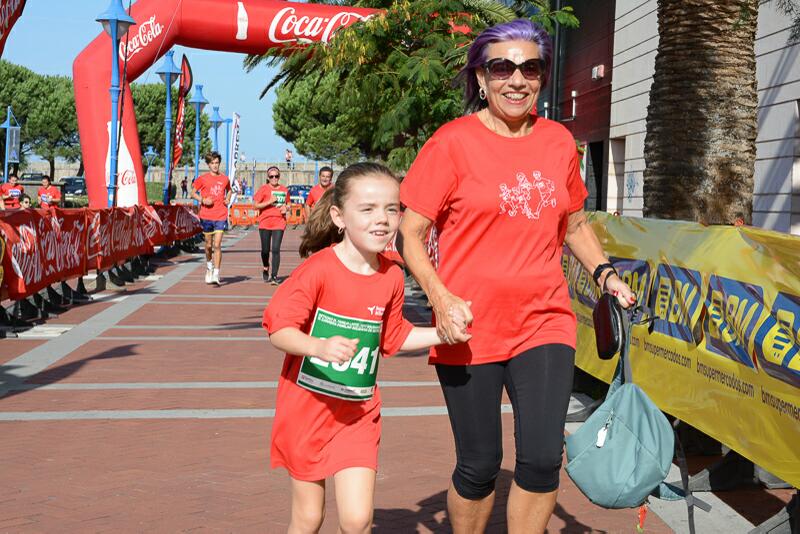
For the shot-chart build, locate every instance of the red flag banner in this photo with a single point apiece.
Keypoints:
(180, 120)
(10, 11)
(43, 247)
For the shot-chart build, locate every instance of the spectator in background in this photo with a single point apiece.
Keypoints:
(49, 195)
(24, 201)
(325, 183)
(11, 192)
(185, 188)
(288, 156)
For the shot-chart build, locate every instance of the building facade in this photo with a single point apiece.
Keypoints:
(609, 63)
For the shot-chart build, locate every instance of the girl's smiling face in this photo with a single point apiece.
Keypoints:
(370, 215)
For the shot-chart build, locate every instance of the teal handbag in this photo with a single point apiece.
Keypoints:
(623, 452)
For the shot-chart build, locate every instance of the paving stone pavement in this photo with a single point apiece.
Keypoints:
(160, 422)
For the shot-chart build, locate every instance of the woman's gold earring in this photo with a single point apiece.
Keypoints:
(341, 230)
(482, 93)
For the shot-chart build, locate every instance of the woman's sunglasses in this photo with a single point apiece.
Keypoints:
(503, 69)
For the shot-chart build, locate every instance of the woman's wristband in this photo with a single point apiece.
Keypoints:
(600, 269)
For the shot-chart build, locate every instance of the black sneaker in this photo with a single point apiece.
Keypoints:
(265, 276)
(274, 281)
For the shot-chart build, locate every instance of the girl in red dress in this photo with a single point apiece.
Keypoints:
(334, 317)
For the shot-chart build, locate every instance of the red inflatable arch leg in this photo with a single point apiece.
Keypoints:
(248, 26)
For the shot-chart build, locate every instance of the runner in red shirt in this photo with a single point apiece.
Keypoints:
(11, 192)
(504, 190)
(49, 195)
(325, 183)
(272, 202)
(213, 190)
(335, 316)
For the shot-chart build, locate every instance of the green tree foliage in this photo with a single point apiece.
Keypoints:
(45, 108)
(381, 88)
(151, 102)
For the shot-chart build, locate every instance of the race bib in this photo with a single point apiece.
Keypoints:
(353, 380)
(15, 192)
(46, 199)
(280, 197)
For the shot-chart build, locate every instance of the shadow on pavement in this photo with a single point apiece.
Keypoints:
(55, 374)
(431, 514)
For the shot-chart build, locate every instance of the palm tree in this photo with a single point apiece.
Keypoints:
(700, 148)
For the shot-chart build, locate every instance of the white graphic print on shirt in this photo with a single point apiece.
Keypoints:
(515, 199)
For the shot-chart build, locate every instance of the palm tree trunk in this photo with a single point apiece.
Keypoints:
(700, 147)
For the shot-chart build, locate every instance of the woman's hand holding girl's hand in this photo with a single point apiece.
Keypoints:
(336, 349)
(625, 295)
(453, 315)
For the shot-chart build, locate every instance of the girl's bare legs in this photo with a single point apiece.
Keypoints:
(308, 506)
(355, 488)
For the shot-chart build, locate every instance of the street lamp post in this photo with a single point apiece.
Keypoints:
(116, 23)
(169, 72)
(216, 121)
(7, 125)
(149, 156)
(228, 122)
(199, 102)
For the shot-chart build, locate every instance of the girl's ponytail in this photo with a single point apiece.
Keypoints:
(320, 231)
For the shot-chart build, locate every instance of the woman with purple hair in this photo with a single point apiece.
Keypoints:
(503, 188)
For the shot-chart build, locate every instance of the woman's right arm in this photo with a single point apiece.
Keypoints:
(414, 228)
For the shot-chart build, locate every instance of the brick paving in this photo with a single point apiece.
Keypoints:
(179, 391)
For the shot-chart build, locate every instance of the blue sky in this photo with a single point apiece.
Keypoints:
(51, 33)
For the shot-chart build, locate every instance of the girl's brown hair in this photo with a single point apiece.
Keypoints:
(320, 231)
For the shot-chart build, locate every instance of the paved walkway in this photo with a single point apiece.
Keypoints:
(149, 410)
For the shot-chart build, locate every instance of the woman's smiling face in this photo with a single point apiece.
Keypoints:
(511, 99)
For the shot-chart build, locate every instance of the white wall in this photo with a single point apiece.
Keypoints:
(776, 202)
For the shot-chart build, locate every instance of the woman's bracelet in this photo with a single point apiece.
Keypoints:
(599, 270)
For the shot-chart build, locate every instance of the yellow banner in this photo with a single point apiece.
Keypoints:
(724, 351)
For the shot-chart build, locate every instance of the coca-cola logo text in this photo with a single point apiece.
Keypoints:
(127, 178)
(8, 11)
(287, 27)
(149, 30)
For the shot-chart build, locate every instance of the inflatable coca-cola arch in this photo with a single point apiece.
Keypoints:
(247, 26)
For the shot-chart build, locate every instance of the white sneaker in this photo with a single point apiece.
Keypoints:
(215, 277)
(209, 276)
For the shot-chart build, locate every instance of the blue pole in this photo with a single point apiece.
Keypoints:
(8, 140)
(216, 138)
(115, 90)
(168, 148)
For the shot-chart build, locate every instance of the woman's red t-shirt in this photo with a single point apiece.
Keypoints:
(271, 218)
(314, 435)
(500, 206)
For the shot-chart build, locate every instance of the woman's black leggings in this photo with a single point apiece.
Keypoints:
(271, 239)
(539, 383)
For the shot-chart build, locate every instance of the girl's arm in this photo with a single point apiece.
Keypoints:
(336, 349)
(421, 338)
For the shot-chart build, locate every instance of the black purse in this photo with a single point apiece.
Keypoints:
(608, 329)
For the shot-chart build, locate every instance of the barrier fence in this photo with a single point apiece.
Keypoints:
(247, 215)
(723, 354)
(46, 246)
